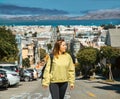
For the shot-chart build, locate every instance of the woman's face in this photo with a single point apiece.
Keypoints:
(63, 47)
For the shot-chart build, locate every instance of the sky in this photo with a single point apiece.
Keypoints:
(71, 6)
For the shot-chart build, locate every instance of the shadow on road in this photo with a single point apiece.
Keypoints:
(12, 86)
(3, 89)
(113, 86)
(15, 86)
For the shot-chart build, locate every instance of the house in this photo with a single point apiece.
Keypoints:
(28, 49)
(113, 38)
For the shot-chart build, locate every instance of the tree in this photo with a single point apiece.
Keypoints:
(57, 29)
(26, 63)
(42, 53)
(88, 57)
(108, 26)
(34, 34)
(49, 46)
(109, 53)
(8, 46)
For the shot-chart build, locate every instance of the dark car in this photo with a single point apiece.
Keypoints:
(25, 75)
(3, 79)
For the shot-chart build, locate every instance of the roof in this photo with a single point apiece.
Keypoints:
(8, 64)
(114, 37)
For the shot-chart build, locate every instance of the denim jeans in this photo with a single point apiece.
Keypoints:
(58, 90)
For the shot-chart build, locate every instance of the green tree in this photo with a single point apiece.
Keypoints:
(8, 46)
(26, 63)
(57, 29)
(42, 53)
(109, 53)
(108, 26)
(49, 46)
(34, 34)
(88, 57)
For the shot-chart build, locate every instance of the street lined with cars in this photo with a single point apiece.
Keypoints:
(24, 86)
(84, 89)
(11, 74)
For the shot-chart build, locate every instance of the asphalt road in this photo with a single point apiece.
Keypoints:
(84, 89)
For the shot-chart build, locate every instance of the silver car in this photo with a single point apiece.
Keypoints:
(12, 76)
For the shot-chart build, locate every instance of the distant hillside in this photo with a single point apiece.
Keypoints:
(12, 12)
(17, 10)
(101, 14)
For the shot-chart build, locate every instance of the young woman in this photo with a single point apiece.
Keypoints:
(61, 73)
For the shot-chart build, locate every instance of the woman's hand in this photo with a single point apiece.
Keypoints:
(71, 87)
(45, 86)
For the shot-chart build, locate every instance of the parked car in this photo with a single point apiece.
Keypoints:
(8, 66)
(3, 79)
(40, 72)
(34, 71)
(25, 75)
(12, 76)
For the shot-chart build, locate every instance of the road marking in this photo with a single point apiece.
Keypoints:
(91, 94)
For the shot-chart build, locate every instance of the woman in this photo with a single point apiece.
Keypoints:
(62, 71)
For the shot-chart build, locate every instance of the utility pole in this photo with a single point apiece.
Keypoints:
(39, 47)
(35, 52)
(19, 42)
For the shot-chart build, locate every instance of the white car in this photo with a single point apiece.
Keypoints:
(11, 67)
(34, 71)
(12, 76)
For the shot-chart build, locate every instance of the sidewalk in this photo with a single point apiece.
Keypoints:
(102, 79)
(98, 88)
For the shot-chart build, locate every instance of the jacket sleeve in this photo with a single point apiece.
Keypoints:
(46, 75)
(71, 72)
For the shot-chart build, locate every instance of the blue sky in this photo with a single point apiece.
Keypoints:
(72, 6)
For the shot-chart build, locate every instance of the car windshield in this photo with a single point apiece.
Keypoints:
(30, 70)
(11, 68)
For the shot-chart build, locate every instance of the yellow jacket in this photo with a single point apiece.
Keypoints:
(62, 70)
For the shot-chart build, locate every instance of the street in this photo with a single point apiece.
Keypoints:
(84, 89)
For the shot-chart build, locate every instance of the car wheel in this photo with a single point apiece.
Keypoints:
(7, 86)
(26, 79)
